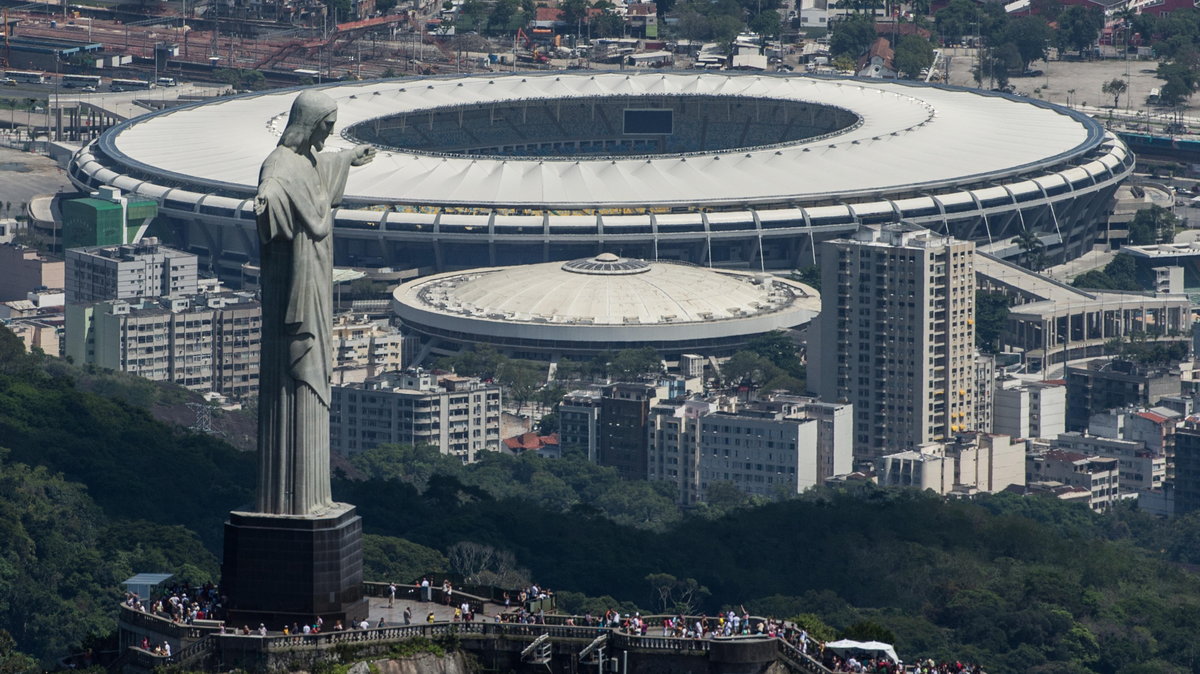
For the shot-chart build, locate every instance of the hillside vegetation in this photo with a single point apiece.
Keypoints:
(92, 490)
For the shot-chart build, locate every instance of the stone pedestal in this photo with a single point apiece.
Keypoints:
(280, 569)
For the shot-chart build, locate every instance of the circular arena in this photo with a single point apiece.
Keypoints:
(729, 170)
(604, 303)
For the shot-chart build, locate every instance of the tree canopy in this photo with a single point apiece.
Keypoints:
(852, 36)
(1078, 27)
(913, 54)
(1120, 274)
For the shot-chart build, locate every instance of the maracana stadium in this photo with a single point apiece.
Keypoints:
(716, 169)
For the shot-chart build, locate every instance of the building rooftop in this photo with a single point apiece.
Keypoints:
(908, 135)
(607, 290)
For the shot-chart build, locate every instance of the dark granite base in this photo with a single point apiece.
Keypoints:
(283, 569)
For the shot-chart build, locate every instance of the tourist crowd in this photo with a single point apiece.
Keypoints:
(181, 604)
(185, 605)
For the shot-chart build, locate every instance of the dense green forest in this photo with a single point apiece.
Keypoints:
(92, 490)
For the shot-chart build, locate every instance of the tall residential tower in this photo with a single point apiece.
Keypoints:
(896, 336)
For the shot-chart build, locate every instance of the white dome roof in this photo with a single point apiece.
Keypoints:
(607, 290)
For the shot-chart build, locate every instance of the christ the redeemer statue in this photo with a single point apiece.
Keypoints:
(297, 187)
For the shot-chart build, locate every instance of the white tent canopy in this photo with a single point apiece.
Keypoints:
(875, 648)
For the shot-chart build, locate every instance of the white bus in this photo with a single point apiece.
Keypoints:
(26, 76)
(166, 81)
(70, 81)
(129, 85)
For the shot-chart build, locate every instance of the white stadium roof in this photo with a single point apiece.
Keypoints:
(910, 135)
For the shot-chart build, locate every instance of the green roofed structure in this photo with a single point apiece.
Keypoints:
(105, 219)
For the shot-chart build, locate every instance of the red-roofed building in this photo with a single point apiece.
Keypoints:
(877, 62)
(545, 445)
(1155, 418)
(1063, 492)
(1099, 476)
(898, 30)
(642, 18)
(552, 17)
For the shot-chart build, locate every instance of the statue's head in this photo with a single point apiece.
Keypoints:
(310, 120)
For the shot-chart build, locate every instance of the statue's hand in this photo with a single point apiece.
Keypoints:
(363, 154)
(260, 204)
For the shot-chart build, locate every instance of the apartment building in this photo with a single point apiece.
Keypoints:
(896, 336)
(458, 415)
(364, 347)
(973, 463)
(771, 447)
(201, 342)
(1030, 409)
(1098, 476)
(129, 271)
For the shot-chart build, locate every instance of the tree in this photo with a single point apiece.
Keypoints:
(869, 630)
(766, 23)
(606, 24)
(957, 20)
(676, 595)
(1120, 274)
(633, 363)
(996, 64)
(1153, 225)
(1115, 87)
(482, 361)
(852, 36)
(991, 313)
(522, 379)
(472, 15)
(1181, 79)
(1030, 35)
(1078, 28)
(913, 54)
(725, 28)
(505, 16)
(1034, 250)
(816, 628)
(810, 276)
(843, 64)
(779, 348)
(574, 12)
(387, 558)
(486, 565)
(748, 369)
(13, 661)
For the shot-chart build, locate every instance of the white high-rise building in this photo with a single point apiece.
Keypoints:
(458, 415)
(129, 271)
(896, 336)
(1030, 409)
(783, 445)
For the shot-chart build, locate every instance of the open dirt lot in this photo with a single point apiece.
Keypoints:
(1059, 78)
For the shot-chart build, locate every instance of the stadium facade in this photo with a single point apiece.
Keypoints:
(726, 170)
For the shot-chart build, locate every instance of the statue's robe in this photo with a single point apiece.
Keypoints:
(296, 235)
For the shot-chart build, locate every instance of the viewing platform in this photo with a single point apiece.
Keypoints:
(555, 645)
